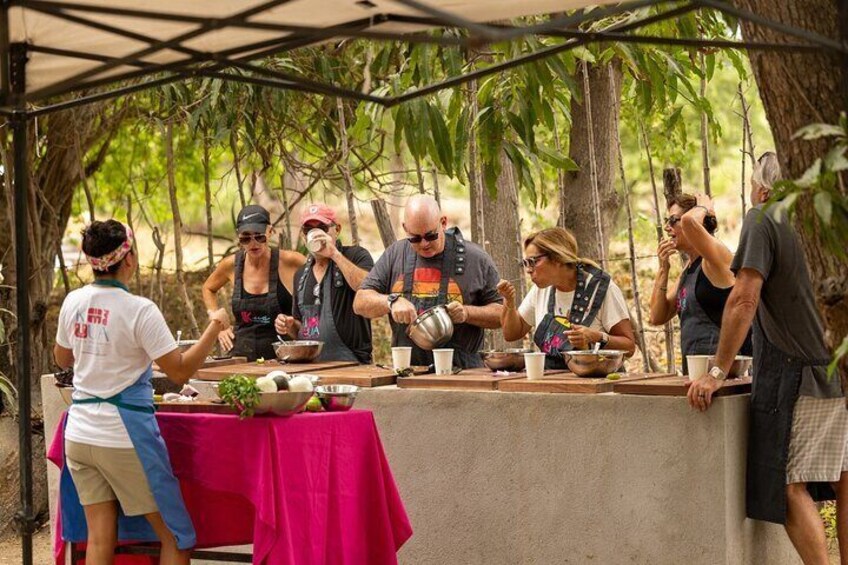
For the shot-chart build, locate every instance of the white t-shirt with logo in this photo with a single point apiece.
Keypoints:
(613, 309)
(114, 336)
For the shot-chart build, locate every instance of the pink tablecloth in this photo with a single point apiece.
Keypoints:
(313, 488)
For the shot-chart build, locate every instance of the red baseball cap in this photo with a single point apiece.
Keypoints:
(319, 212)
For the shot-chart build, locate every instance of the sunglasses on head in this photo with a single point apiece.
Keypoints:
(245, 238)
(672, 221)
(429, 236)
(323, 227)
(530, 262)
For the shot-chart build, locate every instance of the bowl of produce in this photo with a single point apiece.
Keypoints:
(337, 398)
(282, 403)
(593, 364)
(276, 393)
(298, 351)
(431, 329)
(506, 360)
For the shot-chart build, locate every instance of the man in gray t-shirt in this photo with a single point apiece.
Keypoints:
(433, 266)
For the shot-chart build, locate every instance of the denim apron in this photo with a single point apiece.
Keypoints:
(255, 315)
(316, 320)
(135, 406)
(777, 380)
(550, 335)
(453, 263)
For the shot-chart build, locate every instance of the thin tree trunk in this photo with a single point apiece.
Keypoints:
(131, 224)
(475, 182)
(178, 225)
(705, 131)
(237, 166)
(345, 169)
(625, 188)
(63, 269)
(560, 178)
(600, 242)
(436, 193)
(207, 194)
(158, 260)
(384, 222)
(747, 147)
(285, 233)
(86, 190)
(672, 183)
(670, 360)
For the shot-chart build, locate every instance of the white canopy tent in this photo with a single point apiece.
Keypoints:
(56, 54)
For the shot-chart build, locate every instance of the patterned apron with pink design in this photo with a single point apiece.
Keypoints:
(550, 335)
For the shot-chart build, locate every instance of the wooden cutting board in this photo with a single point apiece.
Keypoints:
(196, 407)
(676, 386)
(363, 375)
(468, 379)
(571, 383)
(257, 370)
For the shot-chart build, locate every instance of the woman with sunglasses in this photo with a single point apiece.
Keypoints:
(263, 282)
(699, 295)
(573, 303)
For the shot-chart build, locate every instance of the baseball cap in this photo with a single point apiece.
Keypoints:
(319, 212)
(253, 218)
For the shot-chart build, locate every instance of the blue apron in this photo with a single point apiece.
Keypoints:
(135, 405)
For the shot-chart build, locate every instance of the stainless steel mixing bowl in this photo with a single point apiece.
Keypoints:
(431, 329)
(298, 351)
(592, 364)
(506, 360)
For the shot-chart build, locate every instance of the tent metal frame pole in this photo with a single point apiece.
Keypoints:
(17, 87)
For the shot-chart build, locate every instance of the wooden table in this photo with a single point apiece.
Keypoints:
(676, 386)
(367, 376)
(259, 370)
(468, 379)
(569, 382)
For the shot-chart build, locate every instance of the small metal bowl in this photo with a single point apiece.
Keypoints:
(431, 329)
(590, 364)
(282, 403)
(208, 390)
(508, 360)
(299, 351)
(337, 398)
(740, 366)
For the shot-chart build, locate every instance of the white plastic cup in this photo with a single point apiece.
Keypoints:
(698, 365)
(534, 365)
(443, 358)
(401, 358)
(313, 244)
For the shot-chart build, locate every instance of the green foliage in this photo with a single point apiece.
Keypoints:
(240, 392)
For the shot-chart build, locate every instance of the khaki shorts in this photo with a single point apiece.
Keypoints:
(102, 474)
(818, 443)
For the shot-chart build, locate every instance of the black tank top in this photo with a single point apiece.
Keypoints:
(284, 297)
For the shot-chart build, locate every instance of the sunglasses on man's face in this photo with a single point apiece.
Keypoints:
(429, 236)
(323, 227)
(672, 221)
(245, 238)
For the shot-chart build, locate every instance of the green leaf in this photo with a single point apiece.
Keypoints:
(840, 352)
(441, 139)
(811, 175)
(824, 206)
(816, 131)
(710, 60)
(835, 159)
(556, 159)
(673, 119)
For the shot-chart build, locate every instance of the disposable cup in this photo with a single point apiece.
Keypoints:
(443, 358)
(534, 365)
(312, 243)
(401, 358)
(698, 365)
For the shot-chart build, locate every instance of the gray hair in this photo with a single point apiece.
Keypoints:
(767, 170)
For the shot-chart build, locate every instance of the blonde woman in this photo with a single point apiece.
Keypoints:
(573, 303)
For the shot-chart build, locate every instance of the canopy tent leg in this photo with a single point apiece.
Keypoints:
(17, 82)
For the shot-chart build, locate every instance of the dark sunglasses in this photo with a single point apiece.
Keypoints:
(429, 236)
(672, 221)
(323, 227)
(244, 239)
(530, 262)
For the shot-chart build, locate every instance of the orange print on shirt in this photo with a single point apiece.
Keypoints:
(426, 281)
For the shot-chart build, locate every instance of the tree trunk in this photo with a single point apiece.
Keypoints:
(503, 237)
(207, 197)
(346, 174)
(579, 214)
(475, 180)
(384, 222)
(798, 89)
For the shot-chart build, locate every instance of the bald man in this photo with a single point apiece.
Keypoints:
(433, 266)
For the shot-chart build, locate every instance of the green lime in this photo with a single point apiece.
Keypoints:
(614, 376)
(157, 398)
(314, 404)
(260, 361)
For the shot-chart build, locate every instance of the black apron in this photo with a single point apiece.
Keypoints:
(255, 315)
(698, 333)
(316, 320)
(550, 334)
(453, 263)
(777, 380)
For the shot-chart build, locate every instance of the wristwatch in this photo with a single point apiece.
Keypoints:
(604, 339)
(391, 299)
(717, 374)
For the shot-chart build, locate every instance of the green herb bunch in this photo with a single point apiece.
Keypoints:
(240, 392)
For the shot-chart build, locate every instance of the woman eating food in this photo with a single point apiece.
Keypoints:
(573, 303)
(263, 281)
(115, 458)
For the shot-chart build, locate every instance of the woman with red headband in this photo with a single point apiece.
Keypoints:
(115, 458)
